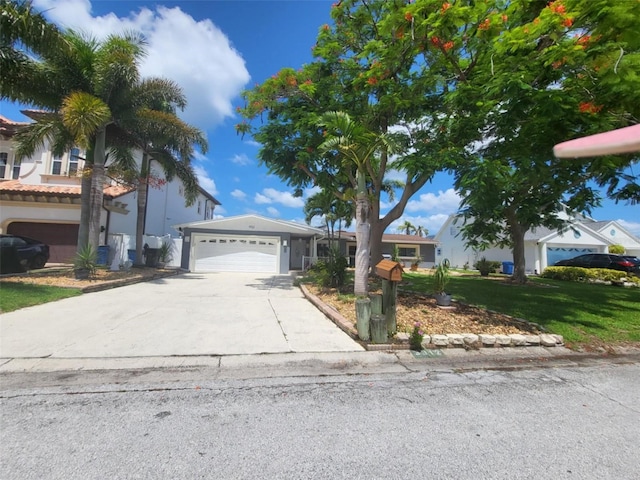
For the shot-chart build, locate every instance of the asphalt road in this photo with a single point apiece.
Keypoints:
(552, 423)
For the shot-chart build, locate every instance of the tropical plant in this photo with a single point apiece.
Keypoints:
(416, 261)
(441, 277)
(165, 252)
(332, 271)
(332, 209)
(407, 227)
(356, 146)
(86, 259)
(395, 255)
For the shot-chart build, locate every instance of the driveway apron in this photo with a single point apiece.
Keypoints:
(190, 314)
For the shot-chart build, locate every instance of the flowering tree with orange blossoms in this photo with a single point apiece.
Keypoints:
(483, 89)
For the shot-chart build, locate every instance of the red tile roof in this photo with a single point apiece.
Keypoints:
(15, 186)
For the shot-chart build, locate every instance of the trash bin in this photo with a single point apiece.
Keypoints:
(152, 257)
(507, 268)
(131, 254)
(103, 255)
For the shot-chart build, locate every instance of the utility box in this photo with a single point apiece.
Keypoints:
(389, 270)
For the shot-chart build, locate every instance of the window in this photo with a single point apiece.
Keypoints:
(16, 169)
(407, 251)
(199, 207)
(56, 165)
(73, 161)
(4, 158)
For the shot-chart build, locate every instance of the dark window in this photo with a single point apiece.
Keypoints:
(4, 157)
(56, 166)
(407, 252)
(74, 156)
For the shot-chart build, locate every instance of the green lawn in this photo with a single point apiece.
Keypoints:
(14, 296)
(580, 312)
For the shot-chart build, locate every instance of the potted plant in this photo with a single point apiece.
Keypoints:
(415, 263)
(485, 266)
(165, 254)
(85, 262)
(441, 278)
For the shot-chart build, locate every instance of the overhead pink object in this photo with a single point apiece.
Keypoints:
(622, 140)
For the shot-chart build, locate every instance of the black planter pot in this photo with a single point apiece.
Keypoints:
(81, 273)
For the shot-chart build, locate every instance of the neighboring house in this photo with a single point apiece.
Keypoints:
(409, 247)
(40, 198)
(543, 246)
(246, 243)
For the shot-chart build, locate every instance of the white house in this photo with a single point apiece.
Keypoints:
(40, 198)
(543, 246)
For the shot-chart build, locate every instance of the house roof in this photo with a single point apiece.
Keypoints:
(8, 128)
(395, 238)
(209, 196)
(252, 223)
(19, 188)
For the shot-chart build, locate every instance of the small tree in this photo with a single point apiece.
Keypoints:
(616, 249)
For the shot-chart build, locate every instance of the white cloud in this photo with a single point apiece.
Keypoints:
(632, 227)
(253, 143)
(241, 159)
(195, 54)
(205, 181)
(273, 211)
(238, 194)
(446, 202)
(219, 211)
(271, 195)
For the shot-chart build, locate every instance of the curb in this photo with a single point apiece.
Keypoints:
(129, 281)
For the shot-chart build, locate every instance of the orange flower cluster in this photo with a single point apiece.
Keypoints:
(588, 107)
(435, 40)
(408, 17)
(372, 80)
(567, 22)
(445, 6)
(447, 45)
(557, 7)
(485, 24)
(291, 81)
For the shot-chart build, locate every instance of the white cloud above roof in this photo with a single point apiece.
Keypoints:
(195, 54)
(271, 195)
(446, 202)
(238, 194)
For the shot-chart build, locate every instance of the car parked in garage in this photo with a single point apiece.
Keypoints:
(601, 260)
(18, 253)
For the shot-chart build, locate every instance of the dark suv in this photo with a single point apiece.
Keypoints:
(18, 253)
(601, 260)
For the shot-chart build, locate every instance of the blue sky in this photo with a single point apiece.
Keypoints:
(214, 49)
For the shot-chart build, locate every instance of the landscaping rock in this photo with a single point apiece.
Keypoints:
(426, 340)
(489, 340)
(440, 340)
(404, 336)
(533, 339)
(471, 339)
(559, 339)
(518, 340)
(456, 339)
(547, 340)
(503, 340)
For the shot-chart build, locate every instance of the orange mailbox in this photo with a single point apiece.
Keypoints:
(389, 270)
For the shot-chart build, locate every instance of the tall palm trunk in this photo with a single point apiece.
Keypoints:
(363, 234)
(142, 206)
(85, 200)
(97, 187)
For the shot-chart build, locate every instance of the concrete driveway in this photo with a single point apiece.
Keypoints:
(191, 314)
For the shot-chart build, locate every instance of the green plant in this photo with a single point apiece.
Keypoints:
(416, 261)
(86, 259)
(416, 337)
(332, 271)
(485, 266)
(165, 252)
(395, 255)
(616, 249)
(441, 276)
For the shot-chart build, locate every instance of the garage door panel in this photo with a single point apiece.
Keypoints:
(236, 254)
(62, 238)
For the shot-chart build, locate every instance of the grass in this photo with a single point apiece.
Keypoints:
(14, 296)
(582, 313)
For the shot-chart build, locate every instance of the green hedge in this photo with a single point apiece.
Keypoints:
(579, 274)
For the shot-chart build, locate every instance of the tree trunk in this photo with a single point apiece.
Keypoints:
(517, 236)
(97, 188)
(142, 206)
(363, 235)
(85, 200)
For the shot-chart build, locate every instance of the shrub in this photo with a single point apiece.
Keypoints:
(415, 340)
(579, 274)
(616, 249)
(485, 266)
(332, 271)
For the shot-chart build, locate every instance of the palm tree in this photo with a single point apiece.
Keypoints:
(421, 231)
(357, 145)
(407, 228)
(24, 30)
(163, 137)
(91, 85)
(334, 210)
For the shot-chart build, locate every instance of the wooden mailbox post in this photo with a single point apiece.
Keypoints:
(391, 274)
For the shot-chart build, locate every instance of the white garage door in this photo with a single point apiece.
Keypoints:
(229, 253)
